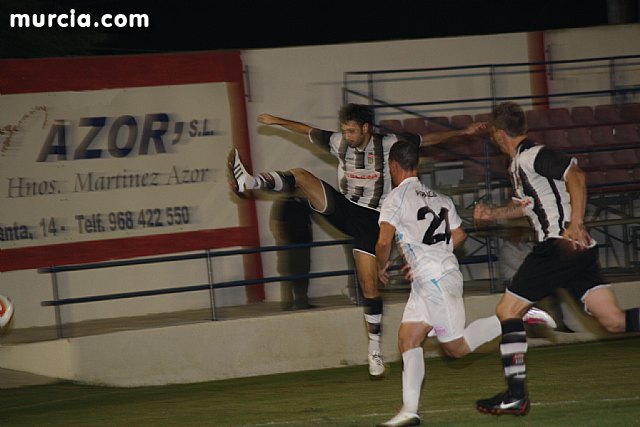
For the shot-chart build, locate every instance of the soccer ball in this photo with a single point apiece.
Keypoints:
(6, 311)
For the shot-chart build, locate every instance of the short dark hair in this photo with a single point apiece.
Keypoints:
(509, 117)
(358, 113)
(406, 154)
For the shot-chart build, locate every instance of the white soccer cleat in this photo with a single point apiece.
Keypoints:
(6, 311)
(376, 366)
(535, 316)
(239, 178)
(402, 419)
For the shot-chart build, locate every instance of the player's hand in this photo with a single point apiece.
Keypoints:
(267, 119)
(482, 214)
(407, 272)
(383, 274)
(476, 127)
(578, 235)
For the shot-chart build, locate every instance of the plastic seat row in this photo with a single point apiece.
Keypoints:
(538, 120)
(583, 116)
(585, 137)
(609, 159)
(615, 180)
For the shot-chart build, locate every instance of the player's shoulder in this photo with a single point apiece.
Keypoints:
(529, 148)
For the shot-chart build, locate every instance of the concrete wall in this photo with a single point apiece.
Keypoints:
(291, 342)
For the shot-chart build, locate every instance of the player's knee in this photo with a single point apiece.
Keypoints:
(301, 175)
(370, 290)
(456, 349)
(614, 323)
(455, 352)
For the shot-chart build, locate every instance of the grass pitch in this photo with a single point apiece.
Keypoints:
(591, 384)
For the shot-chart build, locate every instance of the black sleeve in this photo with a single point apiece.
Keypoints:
(551, 164)
(321, 137)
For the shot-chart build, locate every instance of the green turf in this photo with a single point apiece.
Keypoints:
(592, 384)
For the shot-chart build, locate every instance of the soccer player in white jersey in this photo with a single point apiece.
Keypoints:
(363, 182)
(427, 228)
(551, 192)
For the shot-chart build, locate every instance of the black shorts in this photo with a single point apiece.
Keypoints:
(553, 264)
(358, 222)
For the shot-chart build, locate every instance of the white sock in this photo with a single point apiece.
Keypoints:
(481, 331)
(412, 376)
(374, 337)
(374, 343)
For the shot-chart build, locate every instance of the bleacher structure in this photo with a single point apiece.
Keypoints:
(598, 126)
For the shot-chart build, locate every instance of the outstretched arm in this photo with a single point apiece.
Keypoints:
(484, 213)
(576, 186)
(434, 138)
(268, 119)
(383, 250)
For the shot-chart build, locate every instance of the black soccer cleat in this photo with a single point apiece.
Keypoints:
(504, 404)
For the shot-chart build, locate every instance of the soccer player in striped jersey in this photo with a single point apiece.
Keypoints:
(550, 190)
(363, 183)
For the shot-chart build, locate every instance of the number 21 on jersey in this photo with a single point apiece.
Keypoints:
(436, 221)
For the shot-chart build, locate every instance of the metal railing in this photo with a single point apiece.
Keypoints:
(211, 286)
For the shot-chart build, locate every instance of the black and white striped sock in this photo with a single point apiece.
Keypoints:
(513, 349)
(276, 181)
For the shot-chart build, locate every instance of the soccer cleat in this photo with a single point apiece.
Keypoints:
(504, 404)
(6, 311)
(376, 366)
(535, 316)
(402, 419)
(238, 176)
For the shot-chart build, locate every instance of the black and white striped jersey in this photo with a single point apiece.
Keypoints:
(537, 174)
(363, 175)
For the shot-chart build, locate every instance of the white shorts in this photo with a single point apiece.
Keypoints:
(439, 303)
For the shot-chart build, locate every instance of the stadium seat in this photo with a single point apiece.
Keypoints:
(627, 134)
(482, 117)
(579, 137)
(537, 119)
(630, 112)
(602, 159)
(438, 124)
(556, 138)
(474, 146)
(617, 176)
(596, 177)
(603, 135)
(559, 117)
(536, 136)
(472, 171)
(583, 116)
(625, 157)
(608, 114)
(390, 126)
(415, 125)
(461, 121)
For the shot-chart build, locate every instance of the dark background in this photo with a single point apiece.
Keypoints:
(245, 24)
